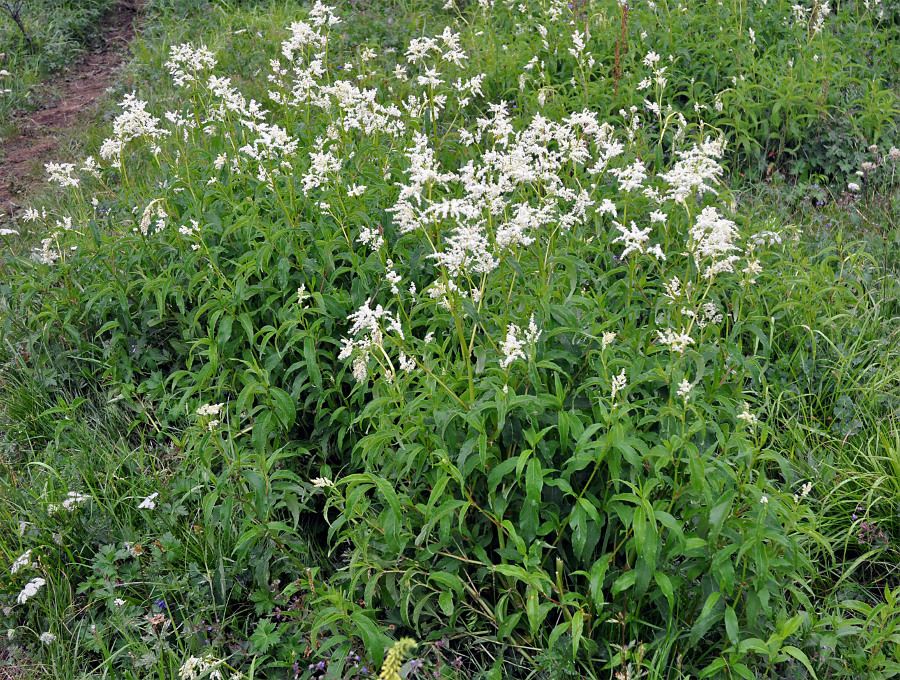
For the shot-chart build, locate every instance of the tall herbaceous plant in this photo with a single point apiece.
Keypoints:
(514, 346)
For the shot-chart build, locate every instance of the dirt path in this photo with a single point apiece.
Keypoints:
(22, 157)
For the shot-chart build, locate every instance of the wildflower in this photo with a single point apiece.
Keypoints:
(748, 417)
(185, 62)
(677, 341)
(764, 500)
(30, 590)
(149, 503)
(618, 383)
(684, 389)
(512, 346)
(21, 562)
(209, 409)
(607, 339)
(712, 238)
(119, 602)
(134, 122)
(634, 239)
(394, 660)
(804, 492)
(71, 502)
(322, 482)
(695, 169)
(302, 296)
(62, 173)
(196, 666)
(360, 369)
(853, 186)
(47, 637)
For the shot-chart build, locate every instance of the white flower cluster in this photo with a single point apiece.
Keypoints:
(369, 322)
(197, 666)
(23, 561)
(30, 590)
(72, 501)
(513, 347)
(149, 503)
(186, 61)
(61, 173)
(135, 122)
(210, 411)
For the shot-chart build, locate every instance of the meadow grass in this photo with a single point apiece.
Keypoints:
(51, 36)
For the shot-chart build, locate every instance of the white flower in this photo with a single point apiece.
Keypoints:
(608, 338)
(47, 637)
(119, 602)
(23, 561)
(804, 492)
(764, 500)
(302, 295)
(209, 409)
(748, 417)
(30, 590)
(853, 186)
(618, 383)
(634, 239)
(149, 503)
(195, 667)
(684, 389)
(677, 341)
(62, 173)
(322, 482)
(512, 346)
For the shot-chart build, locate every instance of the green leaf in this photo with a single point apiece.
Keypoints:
(577, 629)
(665, 585)
(624, 582)
(370, 633)
(265, 637)
(800, 656)
(284, 406)
(445, 600)
(731, 625)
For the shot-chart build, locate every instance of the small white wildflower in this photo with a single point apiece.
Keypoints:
(119, 602)
(512, 346)
(47, 637)
(30, 590)
(618, 383)
(322, 482)
(677, 341)
(608, 338)
(23, 561)
(302, 296)
(209, 409)
(684, 389)
(360, 367)
(748, 417)
(764, 500)
(854, 187)
(149, 503)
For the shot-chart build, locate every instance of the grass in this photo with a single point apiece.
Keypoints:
(540, 503)
(52, 35)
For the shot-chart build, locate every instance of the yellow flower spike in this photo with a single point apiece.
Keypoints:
(394, 660)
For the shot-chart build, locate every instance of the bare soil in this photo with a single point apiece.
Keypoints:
(23, 156)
